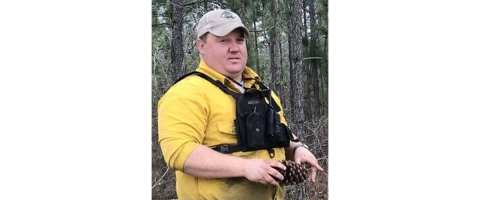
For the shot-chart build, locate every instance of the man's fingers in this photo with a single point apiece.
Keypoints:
(314, 168)
(317, 166)
(269, 180)
(273, 172)
(277, 165)
(298, 160)
(313, 174)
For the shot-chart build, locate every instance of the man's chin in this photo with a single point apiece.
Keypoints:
(237, 68)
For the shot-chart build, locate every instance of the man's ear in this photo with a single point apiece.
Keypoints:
(200, 45)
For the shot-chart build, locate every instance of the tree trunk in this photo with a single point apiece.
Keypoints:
(276, 57)
(323, 47)
(296, 65)
(257, 63)
(307, 65)
(314, 66)
(242, 12)
(296, 76)
(304, 7)
(177, 69)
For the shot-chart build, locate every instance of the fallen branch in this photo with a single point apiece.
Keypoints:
(158, 183)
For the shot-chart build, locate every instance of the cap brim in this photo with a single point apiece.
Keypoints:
(228, 28)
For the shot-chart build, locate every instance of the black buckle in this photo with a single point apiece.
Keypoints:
(227, 149)
(224, 149)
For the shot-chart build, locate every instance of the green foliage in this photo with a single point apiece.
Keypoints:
(305, 41)
(288, 12)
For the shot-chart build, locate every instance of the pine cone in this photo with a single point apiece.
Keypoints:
(294, 174)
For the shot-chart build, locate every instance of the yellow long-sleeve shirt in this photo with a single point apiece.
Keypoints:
(195, 112)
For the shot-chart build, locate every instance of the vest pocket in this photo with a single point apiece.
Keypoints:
(227, 134)
(256, 130)
(226, 127)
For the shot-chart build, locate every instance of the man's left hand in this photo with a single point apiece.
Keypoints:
(303, 155)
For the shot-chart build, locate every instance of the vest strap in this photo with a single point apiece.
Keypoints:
(227, 149)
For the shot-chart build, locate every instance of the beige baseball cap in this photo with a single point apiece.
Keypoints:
(219, 23)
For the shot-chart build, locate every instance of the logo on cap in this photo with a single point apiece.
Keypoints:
(227, 14)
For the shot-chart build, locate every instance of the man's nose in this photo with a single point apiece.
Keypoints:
(234, 47)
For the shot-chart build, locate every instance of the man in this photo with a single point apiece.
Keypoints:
(195, 117)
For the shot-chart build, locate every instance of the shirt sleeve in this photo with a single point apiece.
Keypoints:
(182, 118)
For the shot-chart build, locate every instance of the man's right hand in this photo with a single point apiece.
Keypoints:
(263, 171)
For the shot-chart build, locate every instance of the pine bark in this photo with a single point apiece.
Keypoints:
(276, 57)
(257, 62)
(296, 65)
(176, 70)
(296, 74)
(313, 50)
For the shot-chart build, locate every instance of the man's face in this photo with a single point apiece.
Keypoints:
(226, 55)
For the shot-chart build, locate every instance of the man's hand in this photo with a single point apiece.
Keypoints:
(303, 155)
(263, 171)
